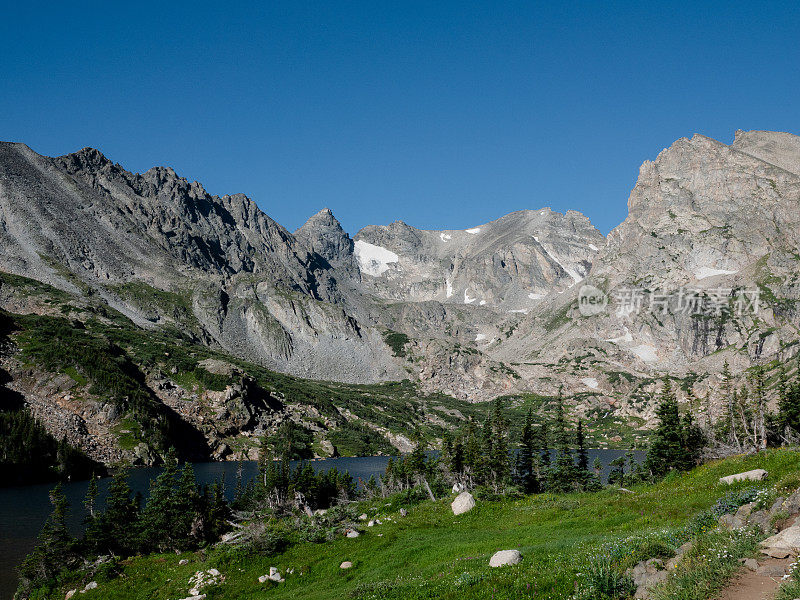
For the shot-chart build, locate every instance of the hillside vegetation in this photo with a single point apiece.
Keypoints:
(574, 545)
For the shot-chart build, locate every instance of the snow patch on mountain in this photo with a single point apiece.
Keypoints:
(704, 272)
(571, 272)
(474, 230)
(624, 338)
(373, 260)
(646, 352)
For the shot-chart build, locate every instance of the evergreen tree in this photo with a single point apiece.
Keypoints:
(694, 440)
(676, 443)
(217, 511)
(544, 457)
(91, 497)
(55, 548)
(159, 519)
(117, 525)
(616, 474)
(472, 454)
(584, 474)
(527, 459)
(563, 476)
(185, 507)
(789, 406)
(499, 454)
(485, 474)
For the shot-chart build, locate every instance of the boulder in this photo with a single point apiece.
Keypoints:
(352, 533)
(750, 563)
(777, 506)
(771, 571)
(776, 552)
(761, 519)
(403, 512)
(346, 565)
(464, 502)
(70, 594)
(745, 510)
(505, 557)
(754, 475)
(792, 504)
(785, 541)
(182, 562)
(363, 517)
(730, 522)
(196, 597)
(92, 585)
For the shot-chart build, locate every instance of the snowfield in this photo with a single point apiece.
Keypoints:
(704, 272)
(373, 260)
(646, 352)
(590, 382)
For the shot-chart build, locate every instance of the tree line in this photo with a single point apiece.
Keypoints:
(547, 455)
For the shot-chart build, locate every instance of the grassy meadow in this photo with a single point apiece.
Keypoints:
(567, 542)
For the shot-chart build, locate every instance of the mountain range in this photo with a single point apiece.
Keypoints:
(703, 271)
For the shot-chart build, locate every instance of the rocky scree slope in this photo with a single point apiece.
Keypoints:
(473, 313)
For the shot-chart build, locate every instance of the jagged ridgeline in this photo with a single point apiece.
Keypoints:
(153, 313)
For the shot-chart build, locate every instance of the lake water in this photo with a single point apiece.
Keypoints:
(23, 510)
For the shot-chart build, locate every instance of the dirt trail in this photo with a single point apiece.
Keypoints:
(761, 584)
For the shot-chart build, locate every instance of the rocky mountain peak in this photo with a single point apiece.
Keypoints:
(85, 158)
(775, 147)
(324, 235)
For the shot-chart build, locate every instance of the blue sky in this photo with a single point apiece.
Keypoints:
(441, 114)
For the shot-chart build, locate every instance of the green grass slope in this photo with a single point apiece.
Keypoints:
(433, 554)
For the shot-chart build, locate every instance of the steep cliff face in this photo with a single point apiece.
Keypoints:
(508, 265)
(486, 310)
(711, 227)
(153, 243)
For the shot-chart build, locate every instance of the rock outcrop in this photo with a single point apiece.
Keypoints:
(474, 313)
(501, 558)
(463, 503)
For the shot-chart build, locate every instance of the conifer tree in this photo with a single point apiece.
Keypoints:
(789, 406)
(499, 456)
(670, 447)
(54, 550)
(527, 459)
(472, 455)
(159, 517)
(563, 475)
(583, 456)
(185, 507)
(487, 450)
(117, 530)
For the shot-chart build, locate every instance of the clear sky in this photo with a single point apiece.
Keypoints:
(441, 114)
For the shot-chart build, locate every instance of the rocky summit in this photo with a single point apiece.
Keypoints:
(703, 271)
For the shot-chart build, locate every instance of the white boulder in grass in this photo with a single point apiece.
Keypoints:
(787, 541)
(505, 557)
(346, 565)
(754, 475)
(274, 575)
(464, 502)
